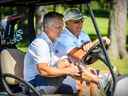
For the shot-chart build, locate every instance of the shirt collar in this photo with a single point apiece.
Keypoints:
(68, 32)
(46, 38)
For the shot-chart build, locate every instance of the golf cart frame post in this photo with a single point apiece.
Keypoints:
(33, 3)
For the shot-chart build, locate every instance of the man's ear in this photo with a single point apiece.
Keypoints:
(67, 23)
(45, 28)
(42, 28)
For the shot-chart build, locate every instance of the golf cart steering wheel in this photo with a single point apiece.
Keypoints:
(26, 87)
(94, 53)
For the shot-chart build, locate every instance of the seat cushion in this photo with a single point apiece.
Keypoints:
(12, 62)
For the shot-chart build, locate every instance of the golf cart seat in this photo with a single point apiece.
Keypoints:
(12, 62)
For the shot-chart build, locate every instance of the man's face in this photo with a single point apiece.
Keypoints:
(75, 26)
(55, 29)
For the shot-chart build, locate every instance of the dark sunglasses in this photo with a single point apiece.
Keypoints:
(78, 21)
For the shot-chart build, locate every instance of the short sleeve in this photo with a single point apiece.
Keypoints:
(39, 50)
(66, 44)
(85, 37)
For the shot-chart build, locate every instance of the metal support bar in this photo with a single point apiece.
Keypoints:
(108, 63)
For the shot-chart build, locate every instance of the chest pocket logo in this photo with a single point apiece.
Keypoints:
(82, 41)
(56, 51)
(75, 42)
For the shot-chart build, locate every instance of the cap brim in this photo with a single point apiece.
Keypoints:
(75, 18)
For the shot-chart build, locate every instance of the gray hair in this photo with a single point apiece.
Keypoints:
(49, 18)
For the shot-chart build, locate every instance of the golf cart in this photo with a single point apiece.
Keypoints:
(12, 59)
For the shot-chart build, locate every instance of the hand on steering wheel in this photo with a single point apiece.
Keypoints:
(95, 51)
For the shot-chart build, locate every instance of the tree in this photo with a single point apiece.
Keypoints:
(39, 13)
(118, 18)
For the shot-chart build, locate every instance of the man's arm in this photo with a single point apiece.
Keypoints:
(78, 53)
(48, 71)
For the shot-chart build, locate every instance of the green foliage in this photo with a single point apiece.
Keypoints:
(5, 11)
(23, 46)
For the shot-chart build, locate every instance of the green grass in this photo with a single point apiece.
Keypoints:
(102, 25)
(120, 64)
(101, 22)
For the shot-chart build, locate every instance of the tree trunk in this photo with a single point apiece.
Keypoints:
(113, 51)
(40, 12)
(118, 28)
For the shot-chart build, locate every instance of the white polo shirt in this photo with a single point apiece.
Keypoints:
(41, 50)
(67, 41)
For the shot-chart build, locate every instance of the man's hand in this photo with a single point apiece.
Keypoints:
(87, 46)
(63, 63)
(107, 40)
(89, 76)
(73, 70)
(69, 68)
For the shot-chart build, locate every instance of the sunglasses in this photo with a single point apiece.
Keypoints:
(78, 21)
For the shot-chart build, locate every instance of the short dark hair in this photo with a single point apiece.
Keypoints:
(50, 16)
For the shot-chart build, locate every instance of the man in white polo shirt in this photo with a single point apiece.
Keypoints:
(73, 41)
(41, 66)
